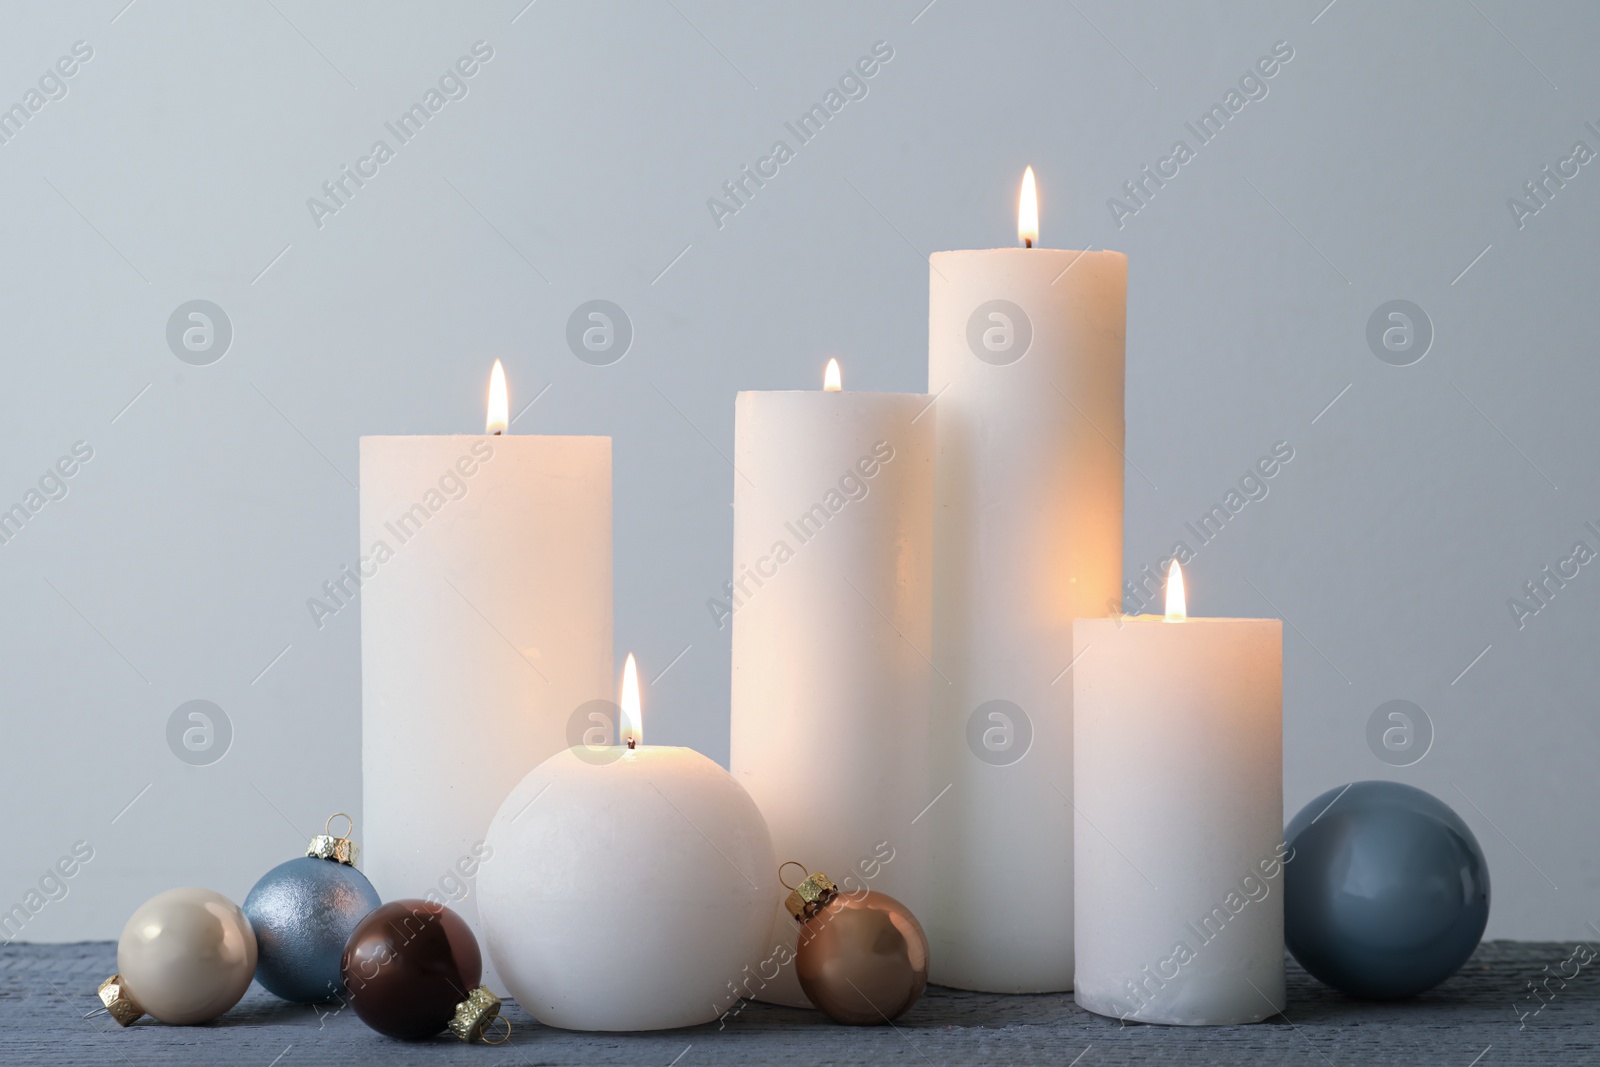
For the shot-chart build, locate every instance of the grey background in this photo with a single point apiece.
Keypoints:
(578, 167)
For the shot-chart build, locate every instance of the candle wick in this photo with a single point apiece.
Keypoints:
(1027, 242)
(631, 742)
(497, 433)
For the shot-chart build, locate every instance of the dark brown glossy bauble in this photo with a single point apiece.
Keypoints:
(407, 965)
(863, 958)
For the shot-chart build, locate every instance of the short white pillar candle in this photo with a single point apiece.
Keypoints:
(1178, 753)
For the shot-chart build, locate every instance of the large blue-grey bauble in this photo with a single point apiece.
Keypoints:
(1386, 892)
(303, 912)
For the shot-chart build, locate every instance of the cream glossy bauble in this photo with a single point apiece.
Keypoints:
(186, 956)
(627, 890)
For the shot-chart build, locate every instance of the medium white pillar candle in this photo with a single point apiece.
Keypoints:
(485, 623)
(832, 621)
(1179, 758)
(1025, 355)
(630, 885)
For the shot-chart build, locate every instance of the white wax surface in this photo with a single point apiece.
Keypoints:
(1179, 756)
(487, 628)
(832, 630)
(628, 890)
(1027, 537)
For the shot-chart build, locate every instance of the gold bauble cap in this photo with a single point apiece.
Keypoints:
(474, 1015)
(325, 846)
(339, 849)
(811, 896)
(118, 1001)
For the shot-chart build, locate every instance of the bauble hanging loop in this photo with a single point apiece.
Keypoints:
(474, 1016)
(815, 892)
(340, 848)
(118, 1004)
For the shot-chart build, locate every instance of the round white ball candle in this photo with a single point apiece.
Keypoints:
(832, 627)
(1025, 355)
(1179, 792)
(629, 886)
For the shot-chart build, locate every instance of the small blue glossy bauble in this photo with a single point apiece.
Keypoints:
(303, 912)
(1386, 892)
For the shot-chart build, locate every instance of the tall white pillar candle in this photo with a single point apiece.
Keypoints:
(1025, 355)
(831, 617)
(1179, 756)
(485, 623)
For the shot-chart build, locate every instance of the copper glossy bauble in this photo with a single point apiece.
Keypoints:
(862, 958)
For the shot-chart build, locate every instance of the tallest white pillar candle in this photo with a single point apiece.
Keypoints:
(1025, 355)
(485, 625)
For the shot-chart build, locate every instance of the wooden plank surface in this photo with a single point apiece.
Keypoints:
(1485, 1016)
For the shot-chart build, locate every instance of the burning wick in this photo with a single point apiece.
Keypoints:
(499, 406)
(1028, 210)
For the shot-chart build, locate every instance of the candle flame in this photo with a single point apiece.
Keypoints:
(632, 733)
(497, 421)
(1177, 604)
(830, 378)
(1028, 211)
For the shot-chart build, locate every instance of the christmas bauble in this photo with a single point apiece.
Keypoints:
(186, 956)
(412, 967)
(862, 956)
(304, 912)
(1386, 892)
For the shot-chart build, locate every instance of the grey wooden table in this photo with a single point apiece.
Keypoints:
(1485, 1016)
